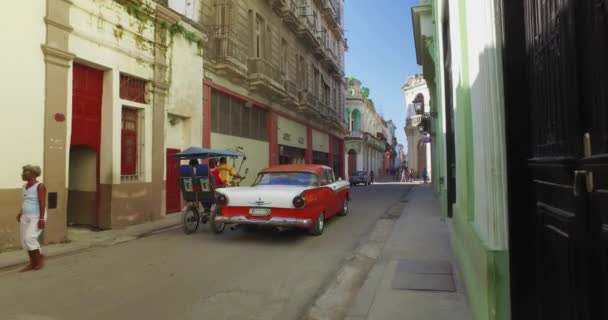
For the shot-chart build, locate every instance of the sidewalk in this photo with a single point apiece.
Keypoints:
(82, 239)
(409, 279)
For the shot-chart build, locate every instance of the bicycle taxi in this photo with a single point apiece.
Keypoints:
(198, 187)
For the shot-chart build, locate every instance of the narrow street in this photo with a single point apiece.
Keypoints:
(170, 275)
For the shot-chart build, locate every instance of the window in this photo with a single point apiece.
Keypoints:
(315, 21)
(222, 17)
(268, 44)
(130, 144)
(326, 94)
(258, 37)
(301, 71)
(132, 89)
(356, 121)
(305, 179)
(285, 60)
(319, 157)
(317, 82)
(324, 178)
(330, 175)
(231, 116)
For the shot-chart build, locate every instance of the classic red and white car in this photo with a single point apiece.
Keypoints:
(301, 196)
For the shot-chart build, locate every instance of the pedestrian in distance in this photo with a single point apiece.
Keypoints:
(371, 176)
(425, 175)
(32, 216)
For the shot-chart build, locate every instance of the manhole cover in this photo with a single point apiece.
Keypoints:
(427, 275)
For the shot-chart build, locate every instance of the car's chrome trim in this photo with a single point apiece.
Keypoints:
(279, 222)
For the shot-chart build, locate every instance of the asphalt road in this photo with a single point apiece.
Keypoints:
(170, 275)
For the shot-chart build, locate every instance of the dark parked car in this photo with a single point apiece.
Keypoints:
(359, 177)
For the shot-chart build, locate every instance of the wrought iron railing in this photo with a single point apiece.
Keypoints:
(225, 47)
(261, 66)
(355, 134)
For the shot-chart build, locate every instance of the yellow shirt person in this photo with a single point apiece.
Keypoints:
(226, 172)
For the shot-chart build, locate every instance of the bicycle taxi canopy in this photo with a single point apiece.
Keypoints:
(203, 153)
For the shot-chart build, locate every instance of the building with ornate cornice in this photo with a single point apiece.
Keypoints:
(417, 102)
(274, 80)
(366, 142)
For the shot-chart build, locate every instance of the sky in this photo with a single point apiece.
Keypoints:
(381, 52)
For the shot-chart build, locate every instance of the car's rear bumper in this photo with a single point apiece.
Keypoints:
(276, 222)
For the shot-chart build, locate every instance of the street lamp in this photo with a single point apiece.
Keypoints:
(419, 107)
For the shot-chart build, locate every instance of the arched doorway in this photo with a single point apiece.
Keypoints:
(421, 157)
(82, 187)
(352, 161)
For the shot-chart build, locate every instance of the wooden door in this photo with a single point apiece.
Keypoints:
(592, 43)
(87, 88)
(566, 50)
(352, 162)
(87, 91)
(173, 196)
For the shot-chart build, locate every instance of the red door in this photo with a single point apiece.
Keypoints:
(173, 193)
(87, 89)
(86, 106)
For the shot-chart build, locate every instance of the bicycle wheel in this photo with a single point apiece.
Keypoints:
(190, 220)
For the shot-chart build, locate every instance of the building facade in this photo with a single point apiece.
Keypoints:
(366, 142)
(109, 89)
(419, 144)
(464, 113)
(273, 83)
(521, 91)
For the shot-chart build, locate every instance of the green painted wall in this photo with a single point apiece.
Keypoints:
(485, 272)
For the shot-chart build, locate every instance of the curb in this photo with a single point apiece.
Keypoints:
(70, 248)
(336, 299)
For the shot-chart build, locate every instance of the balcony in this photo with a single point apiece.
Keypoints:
(331, 10)
(306, 30)
(291, 93)
(265, 78)
(288, 11)
(355, 135)
(323, 110)
(308, 103)
(229, 56)
(333, 63)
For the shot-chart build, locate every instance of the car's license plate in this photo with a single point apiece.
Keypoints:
(258, 212)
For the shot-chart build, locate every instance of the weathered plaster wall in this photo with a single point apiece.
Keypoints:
(23, 106)
(320, 141)
(257, 153)
(22, 89)
(291, 133)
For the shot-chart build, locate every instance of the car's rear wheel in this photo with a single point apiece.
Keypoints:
(344, 210)
(216, 227)
(319, 226)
